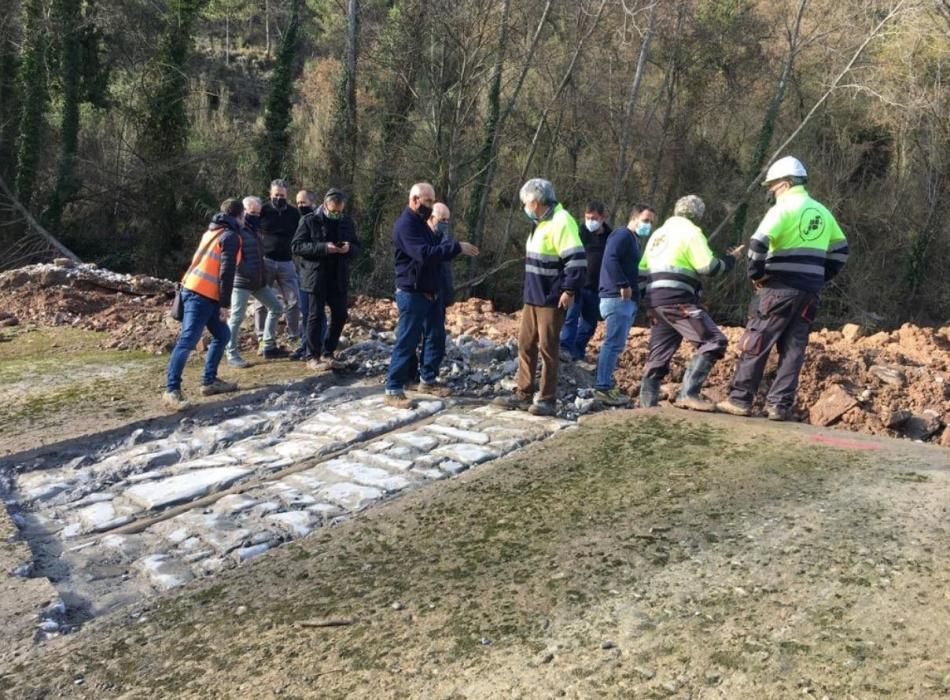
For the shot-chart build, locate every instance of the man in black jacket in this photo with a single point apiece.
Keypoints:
(249, 281)
(581, 319)
(323, 246)
(279, 222)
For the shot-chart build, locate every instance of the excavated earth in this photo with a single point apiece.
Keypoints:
(894, 383)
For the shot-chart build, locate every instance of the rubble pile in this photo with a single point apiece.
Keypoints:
(890, 383)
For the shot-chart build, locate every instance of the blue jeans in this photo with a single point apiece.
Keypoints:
(200, 313)
(418, 316)
(618, 317)
(239, 299)
(580, 324)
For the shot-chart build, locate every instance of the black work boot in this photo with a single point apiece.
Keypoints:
(649, 392)
(693, 380)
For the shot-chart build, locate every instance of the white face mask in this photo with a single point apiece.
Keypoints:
(592, 225)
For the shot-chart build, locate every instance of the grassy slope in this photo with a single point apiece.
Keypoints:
(641, 554)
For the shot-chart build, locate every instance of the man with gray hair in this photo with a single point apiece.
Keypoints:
(418, 259)
(249, 281)
(279, 222)
(675, 257)
(555, 271)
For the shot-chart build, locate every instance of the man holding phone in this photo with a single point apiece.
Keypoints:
(323, 246)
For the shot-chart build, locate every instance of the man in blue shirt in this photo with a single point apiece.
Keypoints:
(618, 305)
(418, 260)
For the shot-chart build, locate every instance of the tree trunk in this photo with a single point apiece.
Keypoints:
(68, 19)
(623, 166)
(227, 39)
(276, 137)
(35, 95)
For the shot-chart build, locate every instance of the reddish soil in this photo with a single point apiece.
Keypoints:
(890, 383)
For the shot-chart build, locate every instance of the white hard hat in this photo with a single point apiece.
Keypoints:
(784, 167)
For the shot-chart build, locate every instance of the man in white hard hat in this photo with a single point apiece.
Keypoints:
(797, 248)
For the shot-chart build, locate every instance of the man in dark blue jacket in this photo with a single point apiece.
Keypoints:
(618, 305)
(439, 225)
(418, 260)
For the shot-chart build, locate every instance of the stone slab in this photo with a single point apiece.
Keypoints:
(183, 487)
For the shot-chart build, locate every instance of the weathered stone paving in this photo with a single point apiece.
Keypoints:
(109, 532)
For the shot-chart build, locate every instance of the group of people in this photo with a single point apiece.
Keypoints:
(574, 277)
(259, 250)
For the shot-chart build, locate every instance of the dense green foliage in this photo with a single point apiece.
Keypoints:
(124, 131)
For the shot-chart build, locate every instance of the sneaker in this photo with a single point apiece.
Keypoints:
(695, 403)
(733, 409)
(316, 365)
(611, 397)
(275, 353)
(399, 400)
(218, 387)
(515, 402)
(779, 413)
(175, 400)
(435, 389)
(238, 363)
(543, 408)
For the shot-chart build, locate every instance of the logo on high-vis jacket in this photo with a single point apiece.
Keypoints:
(811, 225)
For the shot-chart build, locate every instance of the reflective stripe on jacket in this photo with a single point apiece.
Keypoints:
(798, 243)
(554, 259)
(675, 256)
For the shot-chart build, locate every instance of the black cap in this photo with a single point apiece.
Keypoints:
(334, 193)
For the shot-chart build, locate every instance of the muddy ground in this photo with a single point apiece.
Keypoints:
(645, 554)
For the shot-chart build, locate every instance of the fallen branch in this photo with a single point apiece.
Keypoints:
(35, 225)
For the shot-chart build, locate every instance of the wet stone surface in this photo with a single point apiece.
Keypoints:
(157, 510)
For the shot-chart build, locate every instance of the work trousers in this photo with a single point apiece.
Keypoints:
(779, 317)
(670, 325)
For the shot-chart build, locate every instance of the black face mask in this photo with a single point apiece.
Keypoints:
(279, 202)
(252, 220)
(304, 210)
(424, 212)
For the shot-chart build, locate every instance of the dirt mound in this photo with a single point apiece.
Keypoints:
(131, 309)
(892, 383)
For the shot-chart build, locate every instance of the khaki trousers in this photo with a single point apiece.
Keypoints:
(539, 333)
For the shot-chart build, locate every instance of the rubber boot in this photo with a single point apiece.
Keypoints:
(693, 380)
(649, 392)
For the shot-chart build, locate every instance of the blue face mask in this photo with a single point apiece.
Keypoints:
(442, 227)
(644, 228)
(532, 217)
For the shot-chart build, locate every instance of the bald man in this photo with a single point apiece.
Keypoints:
(433, 338)
(418, 259)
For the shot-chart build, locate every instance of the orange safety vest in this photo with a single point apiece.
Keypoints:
(204, 276)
